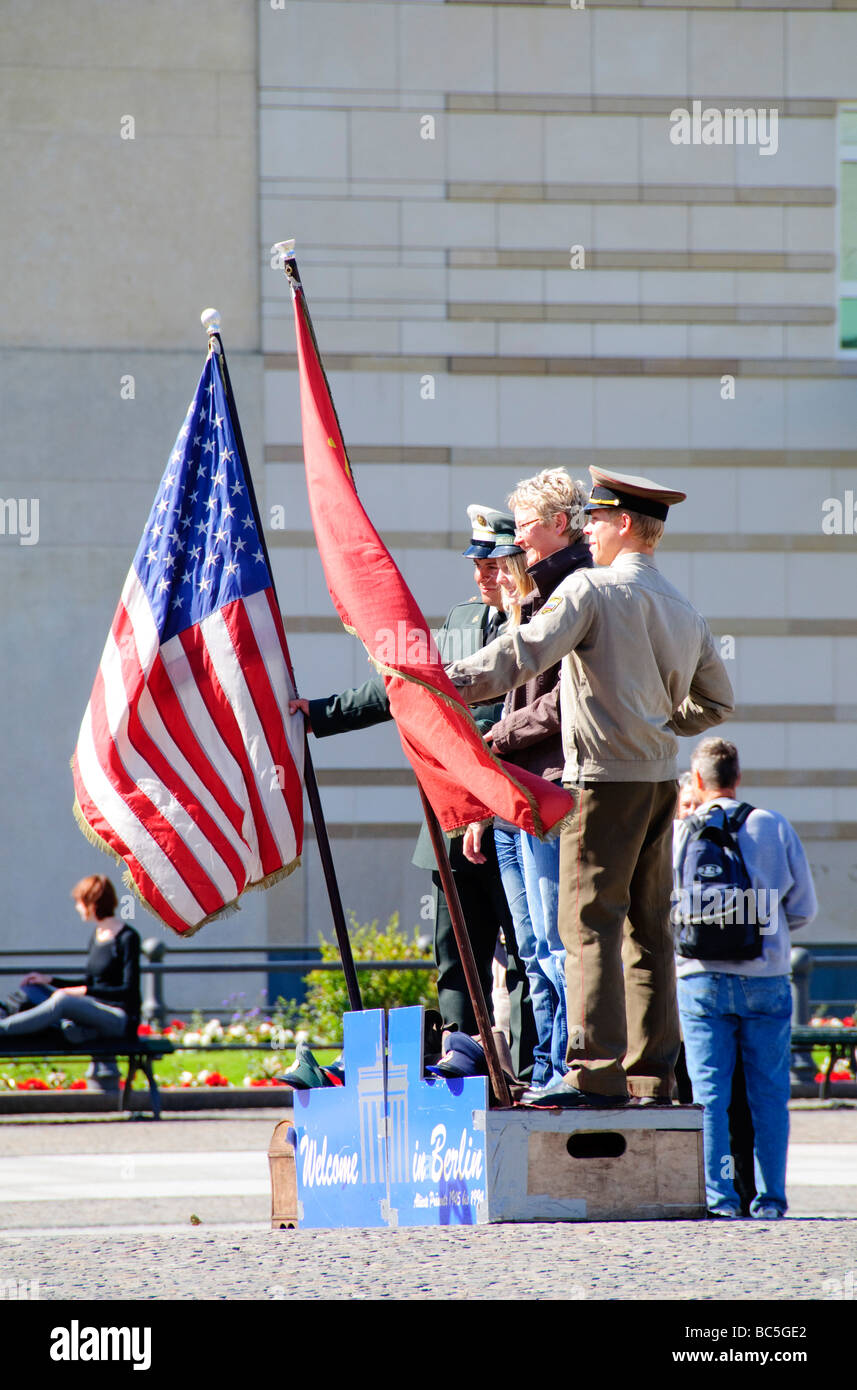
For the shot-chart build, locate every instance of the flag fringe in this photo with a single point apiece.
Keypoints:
(459, 831)
(92, 835)
(231, 908)
(561, 825)
(276, 877)
(228, 910)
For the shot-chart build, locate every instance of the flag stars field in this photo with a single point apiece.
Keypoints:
(190, 704)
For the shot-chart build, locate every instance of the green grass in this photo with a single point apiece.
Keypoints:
(234, 1065)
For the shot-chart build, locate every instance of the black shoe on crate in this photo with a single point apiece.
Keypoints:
(561, 1096)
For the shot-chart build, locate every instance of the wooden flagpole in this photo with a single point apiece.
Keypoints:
(496, 1074)
(211, 323)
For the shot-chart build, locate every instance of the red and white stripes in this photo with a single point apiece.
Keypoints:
(189, 766)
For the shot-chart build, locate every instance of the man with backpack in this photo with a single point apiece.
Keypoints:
(742, 884)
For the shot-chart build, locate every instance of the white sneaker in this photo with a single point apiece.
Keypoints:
(768, 1214)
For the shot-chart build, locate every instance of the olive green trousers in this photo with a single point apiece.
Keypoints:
(614, 921)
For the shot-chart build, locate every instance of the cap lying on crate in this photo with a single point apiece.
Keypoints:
(335, 1071)
(305, 1074)
(464, 1056)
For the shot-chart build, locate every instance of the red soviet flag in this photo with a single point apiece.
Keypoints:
(462, 778)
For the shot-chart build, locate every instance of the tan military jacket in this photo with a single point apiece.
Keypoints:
(639, 666)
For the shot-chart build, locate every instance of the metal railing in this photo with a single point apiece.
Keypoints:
(273, 961)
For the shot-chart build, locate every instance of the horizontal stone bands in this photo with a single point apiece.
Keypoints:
(756, 777)
(823, 831)
(505, 311)
(808, 5)
(493, 192)
(365, 777)
(324, 624)
(623, 459)
(370, 830)
(562, 104)
(475, 365)
(520, 259)
(765, 542)
(826, 830)
(539, 103)
(784, 627)
(796, 714)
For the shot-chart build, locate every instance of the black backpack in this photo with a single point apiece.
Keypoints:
(715, 909)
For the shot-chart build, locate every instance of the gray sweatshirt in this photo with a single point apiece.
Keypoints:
(776, 862)
(639, 666)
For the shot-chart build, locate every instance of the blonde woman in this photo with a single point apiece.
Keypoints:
(547, 546)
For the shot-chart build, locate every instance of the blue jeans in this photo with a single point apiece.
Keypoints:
(81, 1018)
(542, 992)
(720, 1013)
(541, 877)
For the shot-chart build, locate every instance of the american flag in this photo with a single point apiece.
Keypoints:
(188, 766)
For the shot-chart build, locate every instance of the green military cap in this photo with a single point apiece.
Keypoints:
(504, 531)
(636, 494)
(489, 529)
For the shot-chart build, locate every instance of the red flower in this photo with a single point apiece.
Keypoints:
(34, 1083)
(144, 1030)
(79, 1085)
(215, 1078)
(176, 1023)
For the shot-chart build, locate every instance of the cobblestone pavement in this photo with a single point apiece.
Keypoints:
(794, 1259)
(143, 1248)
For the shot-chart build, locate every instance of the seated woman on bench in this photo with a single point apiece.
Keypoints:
(106, 1004)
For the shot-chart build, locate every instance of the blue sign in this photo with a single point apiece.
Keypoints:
(391, 1146)
(435, 1134)
(341, 1145)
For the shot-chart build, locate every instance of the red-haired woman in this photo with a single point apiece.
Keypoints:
(106, 1003)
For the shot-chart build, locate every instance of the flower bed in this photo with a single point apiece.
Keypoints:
(841, 1070)
(238, 1068)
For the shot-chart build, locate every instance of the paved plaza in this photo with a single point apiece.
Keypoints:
(101, 1208)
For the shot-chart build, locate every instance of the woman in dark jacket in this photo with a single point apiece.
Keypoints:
(106, 1003)
(547, 512)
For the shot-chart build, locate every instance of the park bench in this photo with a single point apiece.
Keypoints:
(140, 1052)
(842, 1043)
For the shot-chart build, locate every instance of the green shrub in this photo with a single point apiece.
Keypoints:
(327, 997)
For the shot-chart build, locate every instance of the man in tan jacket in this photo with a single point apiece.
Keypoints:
(639, 667)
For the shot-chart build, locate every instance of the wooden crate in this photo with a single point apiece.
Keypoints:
(635, 1164)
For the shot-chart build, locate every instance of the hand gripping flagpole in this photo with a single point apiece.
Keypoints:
(210, 319)
(496, 1074)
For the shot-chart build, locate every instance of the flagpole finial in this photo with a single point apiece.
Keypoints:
(210, 320)
(285, 249)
